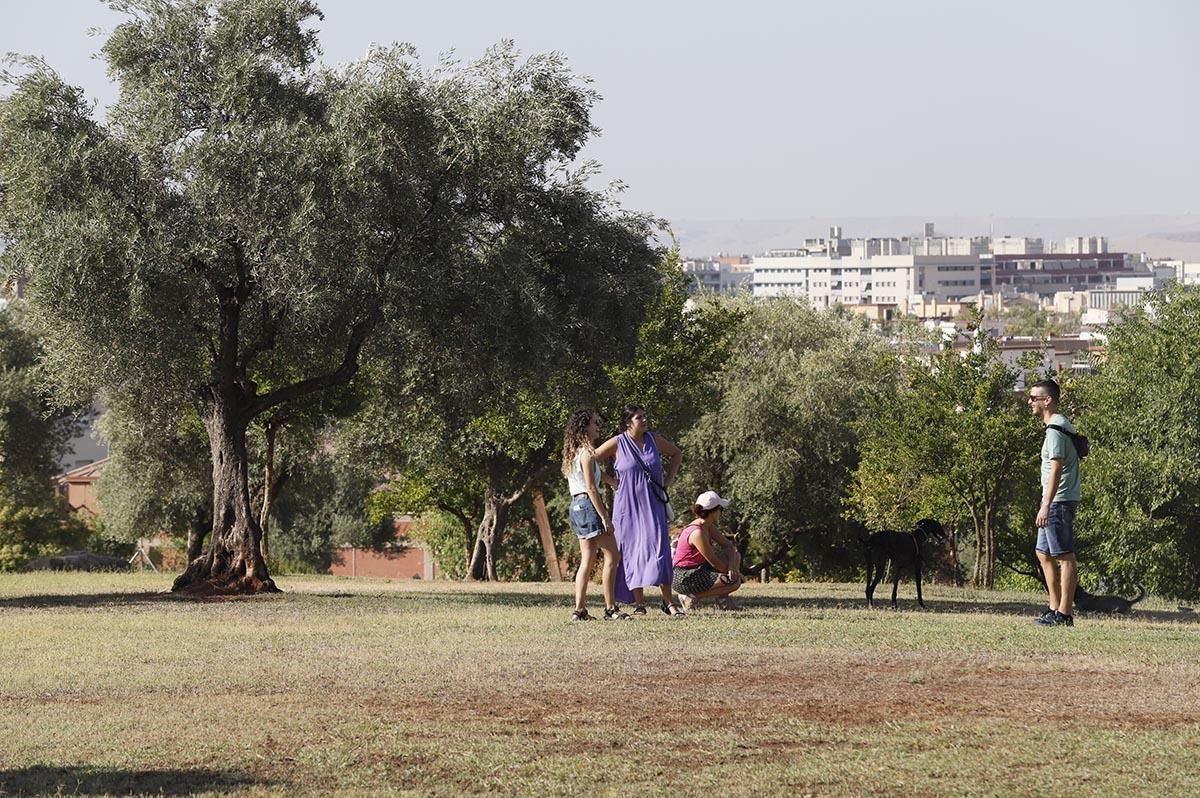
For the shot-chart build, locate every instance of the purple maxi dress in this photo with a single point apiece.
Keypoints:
(640, 519)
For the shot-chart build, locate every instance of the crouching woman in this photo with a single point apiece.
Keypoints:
(707, 565)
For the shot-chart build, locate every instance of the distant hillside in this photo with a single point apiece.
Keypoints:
(1161, 235)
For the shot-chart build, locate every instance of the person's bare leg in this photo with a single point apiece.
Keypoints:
(1050, 571)
(718, 590)
(639, 597)
(1070, 575)
(608, 574)
(587, 561)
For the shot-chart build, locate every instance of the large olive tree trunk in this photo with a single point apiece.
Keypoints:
(233, 563)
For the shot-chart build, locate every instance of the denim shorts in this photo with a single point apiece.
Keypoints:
(584, 518)
(1057, 537)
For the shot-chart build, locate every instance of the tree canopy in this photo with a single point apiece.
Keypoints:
(955, 442)
(1141, 481)
(34, 434)
(777, 435)
(247, 223)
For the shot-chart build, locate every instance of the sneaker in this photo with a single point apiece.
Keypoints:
(1055, 618)
(1044, 617)
(615, 614)
(580, 615)
(640, 609)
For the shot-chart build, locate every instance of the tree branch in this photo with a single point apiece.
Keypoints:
(339, 376)
(266, 341)
(536, 478)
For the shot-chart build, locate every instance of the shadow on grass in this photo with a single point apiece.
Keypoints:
(802, 600)
(49, 601)
(939, 607)
(88, 780)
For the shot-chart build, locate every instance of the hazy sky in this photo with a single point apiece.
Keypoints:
(770, 110)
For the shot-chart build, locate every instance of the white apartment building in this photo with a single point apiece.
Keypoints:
(722, 274)
(1007, 245)
(1179, 270)
(1085, 245)
(867, 276)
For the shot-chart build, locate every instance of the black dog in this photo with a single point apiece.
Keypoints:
(1090, 602)
(903, 550)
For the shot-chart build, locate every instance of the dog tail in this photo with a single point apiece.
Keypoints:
(1141, 595)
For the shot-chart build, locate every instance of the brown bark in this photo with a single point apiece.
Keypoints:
(201, 526)
(233, 563)
(496, 506)
(272, 485)
(489, 536)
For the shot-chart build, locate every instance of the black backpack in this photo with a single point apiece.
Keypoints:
(1080, 442)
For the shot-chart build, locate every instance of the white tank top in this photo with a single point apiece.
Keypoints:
(575, 479)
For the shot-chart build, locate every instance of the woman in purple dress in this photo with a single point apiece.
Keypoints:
(640, 507)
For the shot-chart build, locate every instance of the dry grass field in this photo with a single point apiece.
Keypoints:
(363, 687)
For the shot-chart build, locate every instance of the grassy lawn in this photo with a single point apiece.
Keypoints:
(353, 687)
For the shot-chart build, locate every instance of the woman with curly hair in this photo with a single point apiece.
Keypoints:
(589, 515)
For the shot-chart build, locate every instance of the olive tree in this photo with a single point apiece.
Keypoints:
(246, 225)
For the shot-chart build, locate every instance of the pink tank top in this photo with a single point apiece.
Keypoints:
(687, 555)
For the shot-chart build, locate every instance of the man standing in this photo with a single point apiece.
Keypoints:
(1060, 497)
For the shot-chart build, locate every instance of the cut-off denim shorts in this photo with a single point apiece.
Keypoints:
(584, 518)
(1057, 537)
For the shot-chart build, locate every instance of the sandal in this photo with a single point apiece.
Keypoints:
(674, 610)
(615, 614)
(581, 615)
(639, 609)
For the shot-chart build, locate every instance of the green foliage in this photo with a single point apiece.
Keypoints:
(248, 227)
(683, 341)
(1036, 321)
(442, 534)
(1141, 488)
(31, 531)
(776, 435)
(324, 506)
(34, 434)
(158, 478)
(954, 443)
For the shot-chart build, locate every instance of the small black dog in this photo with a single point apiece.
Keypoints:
(903, 550)
(1090, 602)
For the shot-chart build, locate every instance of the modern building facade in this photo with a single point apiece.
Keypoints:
(723, 274)
(1045, 274)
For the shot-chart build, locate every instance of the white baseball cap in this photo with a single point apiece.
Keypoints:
(710, 499)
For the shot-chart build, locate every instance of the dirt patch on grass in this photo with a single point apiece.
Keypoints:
(846, 693)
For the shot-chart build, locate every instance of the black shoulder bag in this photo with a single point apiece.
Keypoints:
(1080, 442)
(656, 487)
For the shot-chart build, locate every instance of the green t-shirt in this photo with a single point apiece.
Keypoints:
(1058, 446)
